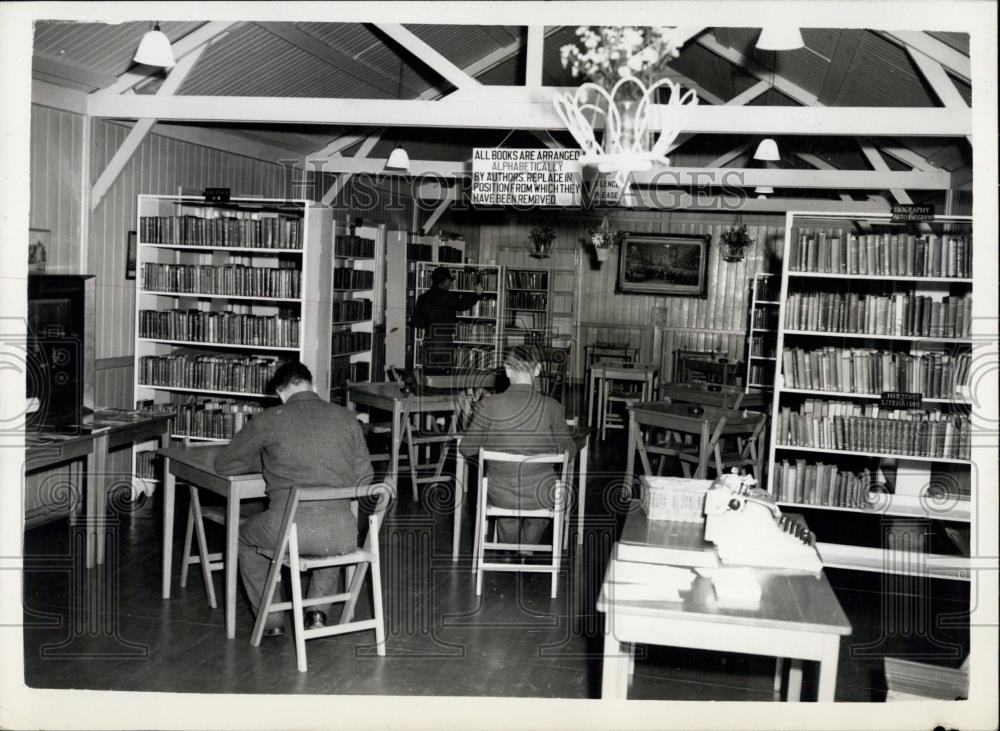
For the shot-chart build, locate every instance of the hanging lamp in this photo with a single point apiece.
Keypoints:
(780, 38)
(154, 49)
(398, 159)
(767, 151)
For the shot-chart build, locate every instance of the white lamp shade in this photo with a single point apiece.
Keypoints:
(767, 150)
(763, 190)
(154, 50)
(398, 160)
(780, 38)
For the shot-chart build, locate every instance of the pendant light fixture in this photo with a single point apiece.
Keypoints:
(398, 159)
(154, 49)
(780, 38)
(767, 150)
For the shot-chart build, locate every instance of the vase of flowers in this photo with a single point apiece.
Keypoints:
(541, 235)
(603, 238)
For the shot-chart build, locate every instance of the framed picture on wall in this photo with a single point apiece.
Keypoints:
(663, 264)
(130, 256)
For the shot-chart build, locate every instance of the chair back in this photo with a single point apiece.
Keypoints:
(553, 375)
(383, 492)
(487, 455)
(682, 358)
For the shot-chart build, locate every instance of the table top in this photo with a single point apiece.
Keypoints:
(789, 599)
(202, 458)
(386, 395)
(635, 371)
(677, 416)
(713, 394)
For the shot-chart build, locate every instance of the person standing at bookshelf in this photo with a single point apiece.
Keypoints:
(436, 312)
(304, 442)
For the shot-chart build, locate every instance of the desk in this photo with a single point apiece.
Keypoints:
(109, 430)
(799, 618)
(44, 451)
(582, 438)
(196, 465)
(726, 397)
(676, 418)
(388, 397)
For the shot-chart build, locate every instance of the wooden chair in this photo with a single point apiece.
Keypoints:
(749, 452)
(683, 357)
(624, 385)
(286, 553)
(553, 376)
(485, 511)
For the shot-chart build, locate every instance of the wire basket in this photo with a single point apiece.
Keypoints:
(674, 498)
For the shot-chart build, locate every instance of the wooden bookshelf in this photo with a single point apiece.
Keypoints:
(527, 306)
(762, 327)
(225, 293)
(869, 321)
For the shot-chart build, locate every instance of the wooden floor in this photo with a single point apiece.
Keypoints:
(110, 629)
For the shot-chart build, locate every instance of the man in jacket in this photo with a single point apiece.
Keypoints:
(436, 312)
(304, 442)
(520, 420)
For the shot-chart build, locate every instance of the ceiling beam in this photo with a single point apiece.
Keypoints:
(59, 69)
(786, 87)
(728, 157)
(840, 63)
(432, 219)
(363, 152)
(955, 61)
(909, 157)
(194, 40)
(536, 55)
(142, 128)
(336, 58)
(530, 113)
(821, 164)
(876, 160)
(935, 75)
(739, 100)
(430, 57)
(58, 97)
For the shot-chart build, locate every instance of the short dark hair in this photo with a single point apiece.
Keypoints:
(522, 357)
(287, 373)
(440, 274)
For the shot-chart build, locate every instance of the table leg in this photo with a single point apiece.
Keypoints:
(779, 668)
(828, 670)
(703, 452)
(461, 475)
(614, 677)
(97, 490)
(397, 438)
(794, 680)
(169, 485)
(582, 457)
(630, 457)
(232, 549)
(590, 399)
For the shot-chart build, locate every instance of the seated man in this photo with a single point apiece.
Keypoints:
(522, 421)
(304, 442)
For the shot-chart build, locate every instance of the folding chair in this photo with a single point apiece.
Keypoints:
(286, 553)
(485, 511)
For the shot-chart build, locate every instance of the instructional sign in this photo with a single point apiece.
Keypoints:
(908, 213)
(536, 177)
(900, 400)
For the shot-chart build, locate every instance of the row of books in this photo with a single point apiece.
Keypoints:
(847, 426)
(527, 300)
(904, 314)
(526, 320)
(343, 370)
(147, 464)
(219, 327)
(765, 319)
(236, 280)
(344, 278)
(238, 373)
(352, 310)
(467, 279)
(213, 418)
(768, 288)
(449, 254)
(886, 254)
(870, 371)
(484, 308)
(822, 484)
(356, 246)
(475, 331)
(476, 358)
(761, 375)
(350, 342)
(519, 279)
(760, 346)
(271, 232)
(419, 252)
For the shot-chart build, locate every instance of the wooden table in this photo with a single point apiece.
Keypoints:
(603, 375)
(582, 438)
(196, 465)
(726, 397)
(799, 618)
(388, 397)
(677, 418)
(108, 431)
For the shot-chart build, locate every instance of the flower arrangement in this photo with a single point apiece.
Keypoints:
(542, 235)
(735, 243)
(610, 54)
(604, 237)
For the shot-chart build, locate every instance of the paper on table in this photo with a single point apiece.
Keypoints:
(735, 588)
(648, 573)
(642, 593)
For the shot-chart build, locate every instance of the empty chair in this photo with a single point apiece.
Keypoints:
(358, 562)
(485, 512)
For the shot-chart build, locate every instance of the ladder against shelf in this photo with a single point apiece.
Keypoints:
(225, 292)
(762, 325)
(877, 421)
(358, 294)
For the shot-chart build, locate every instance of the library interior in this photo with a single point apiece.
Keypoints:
(589, 362)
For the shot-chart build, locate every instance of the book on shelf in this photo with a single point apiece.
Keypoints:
(519, 279)
(518, 300)
(882, 254)
(222, 372)
(343, 370)
(231, 328)
(212, 418)
(902, 314)
(798, 481)
(768, 287)
(350, 342)
(235, 229)
(464, 278)
(764, 319)
(235, 279)
(450, 254)
(847, 426)
(475, 331)
(351, 310)
(476, 358)
(354, 246)
(873, 371)
(484, 308)
(347, 278)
